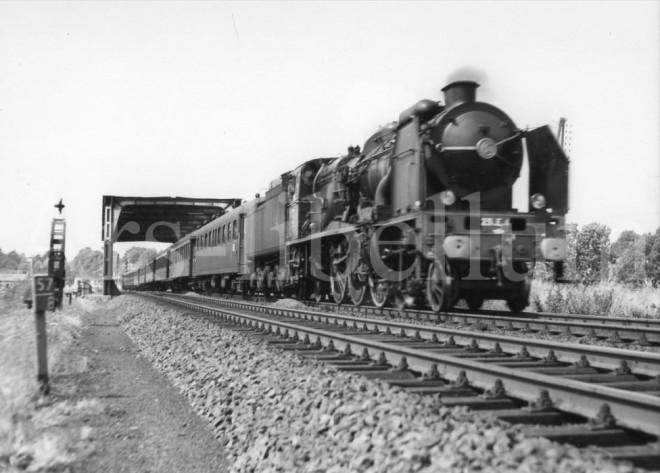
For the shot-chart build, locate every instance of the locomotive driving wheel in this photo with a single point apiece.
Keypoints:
(338, 273)
(379, 291)
(439, 290)
(357, 287)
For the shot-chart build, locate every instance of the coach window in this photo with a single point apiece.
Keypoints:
(235, 229)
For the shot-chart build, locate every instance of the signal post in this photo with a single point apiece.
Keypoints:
(43, 293)
(47, 295)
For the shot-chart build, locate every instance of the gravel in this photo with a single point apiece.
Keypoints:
(275, 412)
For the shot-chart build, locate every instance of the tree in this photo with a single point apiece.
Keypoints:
(593, 253)
(652, 258)
(625, 241)
(12, 261)
(570, 269)
(137, 257)
(40, 263)
(88, 264)
(629, 258)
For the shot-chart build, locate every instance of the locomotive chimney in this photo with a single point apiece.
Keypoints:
(459, 92)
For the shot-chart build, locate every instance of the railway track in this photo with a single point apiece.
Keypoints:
(617, 330)
(567, 392)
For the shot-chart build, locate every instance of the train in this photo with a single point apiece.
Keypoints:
(420, 215)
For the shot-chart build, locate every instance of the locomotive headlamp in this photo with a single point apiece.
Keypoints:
(537, 201)
(447, 198)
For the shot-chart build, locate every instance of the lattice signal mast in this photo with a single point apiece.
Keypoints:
(56, 258)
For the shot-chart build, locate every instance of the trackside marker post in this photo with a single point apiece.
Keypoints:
(43, 295)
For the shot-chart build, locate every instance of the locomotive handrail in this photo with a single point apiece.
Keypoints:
(441, 148)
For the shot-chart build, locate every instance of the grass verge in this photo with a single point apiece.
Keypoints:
(31, 436)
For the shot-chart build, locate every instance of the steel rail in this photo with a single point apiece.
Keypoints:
(627, 321)
(633, 410)
(458, 312)
(639, 362)
(618, 329)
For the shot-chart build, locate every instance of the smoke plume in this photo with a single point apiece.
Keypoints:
(467, 73)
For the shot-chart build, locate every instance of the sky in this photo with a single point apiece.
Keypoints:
(217, 99)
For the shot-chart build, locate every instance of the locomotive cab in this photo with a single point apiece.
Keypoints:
(302, 204)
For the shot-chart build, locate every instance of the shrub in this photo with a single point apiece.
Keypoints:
(613, 299)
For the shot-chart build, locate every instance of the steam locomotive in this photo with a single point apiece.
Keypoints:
(420, 215)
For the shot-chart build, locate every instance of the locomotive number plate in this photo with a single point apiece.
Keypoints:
(495, 222)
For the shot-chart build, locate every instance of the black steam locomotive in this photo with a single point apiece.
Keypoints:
(420, 215)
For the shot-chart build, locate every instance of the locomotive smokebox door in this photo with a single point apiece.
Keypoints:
(548, 168)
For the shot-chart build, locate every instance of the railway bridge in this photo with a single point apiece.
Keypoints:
(156, 219)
